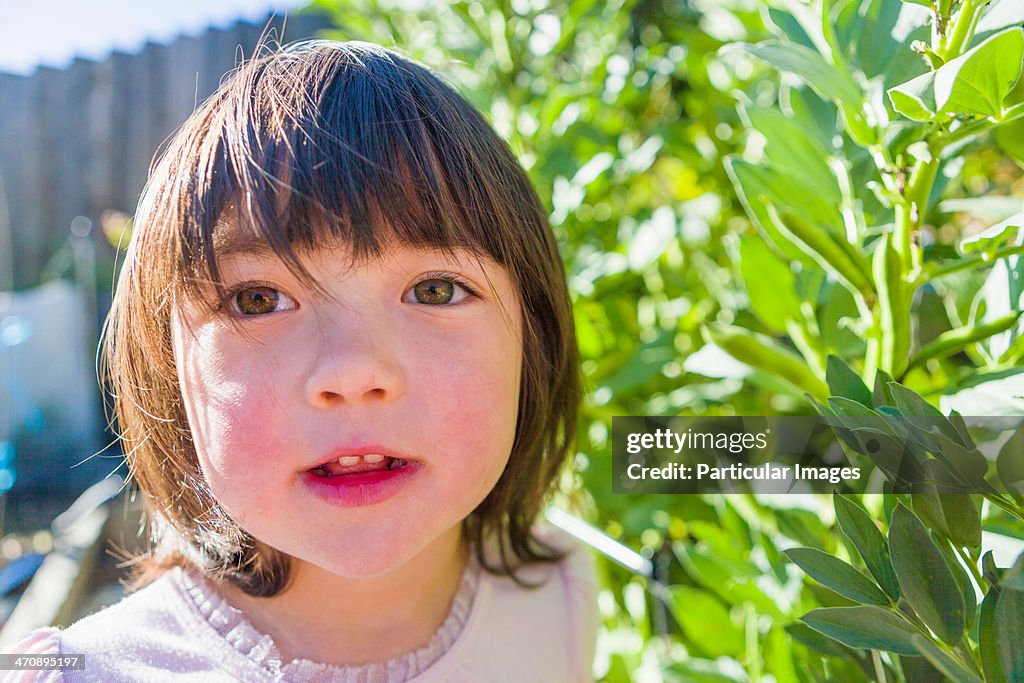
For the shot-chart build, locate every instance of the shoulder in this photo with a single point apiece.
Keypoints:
(576, 568)
(577, 586)
(138, 620)
(145, 636)
(556, 619)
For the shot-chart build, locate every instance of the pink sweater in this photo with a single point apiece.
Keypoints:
(495, 631)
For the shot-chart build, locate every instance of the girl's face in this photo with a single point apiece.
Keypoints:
(414, 356)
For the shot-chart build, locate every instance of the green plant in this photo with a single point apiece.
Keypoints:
(843, 177)
(920, 597)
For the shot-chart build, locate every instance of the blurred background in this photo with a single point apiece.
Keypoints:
(721, 205)
(88, 92)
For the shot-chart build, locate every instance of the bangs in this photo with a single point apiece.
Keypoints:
(328, 143)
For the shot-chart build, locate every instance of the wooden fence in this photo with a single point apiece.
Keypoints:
(79, 141)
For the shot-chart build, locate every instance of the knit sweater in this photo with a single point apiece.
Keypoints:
(179, 625)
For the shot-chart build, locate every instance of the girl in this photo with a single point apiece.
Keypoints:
(343, 363)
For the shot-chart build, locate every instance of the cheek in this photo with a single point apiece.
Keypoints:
(229, 401)
(480, 405)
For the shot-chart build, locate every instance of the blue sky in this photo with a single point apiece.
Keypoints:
(52, 33)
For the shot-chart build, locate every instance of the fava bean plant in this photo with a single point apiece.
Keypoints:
(849, 175)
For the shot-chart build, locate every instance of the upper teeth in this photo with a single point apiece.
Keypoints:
(371, 458)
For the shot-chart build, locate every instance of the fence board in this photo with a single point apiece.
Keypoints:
(79, 141)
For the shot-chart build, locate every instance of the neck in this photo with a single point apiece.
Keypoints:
(345, 622)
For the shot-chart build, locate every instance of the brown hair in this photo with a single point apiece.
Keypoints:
(328, 140)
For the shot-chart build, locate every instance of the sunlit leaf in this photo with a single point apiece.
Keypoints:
(833, 573)
(843, 381)
(976, 82)
(706, 622)
(925, 579)
(943, 662)
(770, 284)
(877, 628)
(858, 526)
(1009, 628)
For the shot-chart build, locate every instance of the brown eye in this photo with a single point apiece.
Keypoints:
(434, 292)
(261, 300)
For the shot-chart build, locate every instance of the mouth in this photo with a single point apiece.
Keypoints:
(358, 464)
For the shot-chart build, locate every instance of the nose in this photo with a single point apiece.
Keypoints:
(357, 363)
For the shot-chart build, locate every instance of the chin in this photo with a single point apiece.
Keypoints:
(360, 565)
(365, 556)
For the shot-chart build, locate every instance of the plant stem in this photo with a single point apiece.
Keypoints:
(910, 215)
(753, 651)
(972, 566)
(967, 130)
(999, 502)
(975, 260)
(963, 29)
(876, 659)
(969, 656)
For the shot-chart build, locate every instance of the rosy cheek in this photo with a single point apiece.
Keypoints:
(230, 405)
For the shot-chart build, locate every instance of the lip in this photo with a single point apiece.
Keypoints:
(368, 449)
(362, 489)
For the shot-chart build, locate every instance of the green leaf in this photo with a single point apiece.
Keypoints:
(881, 395)
(957, 420)
(877, 628)
(999, 14)
(770, 284)
(879, 31)
(1009, 628)
(833, 573)
(952, 515)
(915, 99)
(1002, 294)
(843, 381)
(1010, 463)
(827, 80)
(976, 82)
(910, 403)
(929, 428)
(706, 622)
(925, 580)
(815, 641)
(963, 520)
(989, 240)
(792, 148)
(967, 467)
(1013, 579)
(809, 20)
(755, 187)
(1010, 137)
(928, 507)
(854, 416)
(869, 542)
(988, 638)
(943, 662)
(765, 354)
(989, 570)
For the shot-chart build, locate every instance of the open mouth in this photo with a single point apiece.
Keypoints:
(358, 464)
